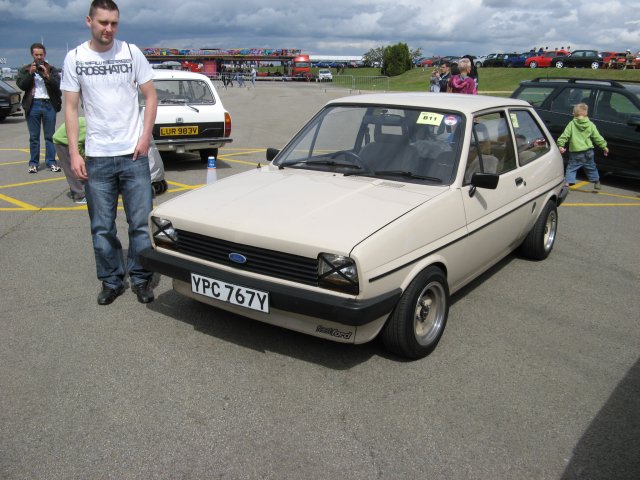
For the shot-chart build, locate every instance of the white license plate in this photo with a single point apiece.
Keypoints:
(230, 293)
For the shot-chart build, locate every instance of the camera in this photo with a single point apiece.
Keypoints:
(40, 66)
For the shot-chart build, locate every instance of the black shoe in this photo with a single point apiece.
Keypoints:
(143, 291)
(108, 294)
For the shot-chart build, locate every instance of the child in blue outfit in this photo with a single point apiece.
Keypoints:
(581, 134)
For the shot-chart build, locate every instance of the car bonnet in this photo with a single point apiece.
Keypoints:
(301, 212)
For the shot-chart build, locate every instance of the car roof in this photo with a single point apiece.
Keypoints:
(602, 82)
(164, 74)
(467, 104)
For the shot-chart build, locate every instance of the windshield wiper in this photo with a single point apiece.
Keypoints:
(177, 101)
(331, 163)
(398, 173)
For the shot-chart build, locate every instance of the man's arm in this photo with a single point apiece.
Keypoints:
(150, 109)
(72, 100)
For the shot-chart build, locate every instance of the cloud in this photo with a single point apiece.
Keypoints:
(345, 27)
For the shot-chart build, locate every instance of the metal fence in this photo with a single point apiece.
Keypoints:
(348, 82)
(354, 82)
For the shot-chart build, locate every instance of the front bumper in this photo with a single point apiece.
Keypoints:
(347, 311)
(189, 144)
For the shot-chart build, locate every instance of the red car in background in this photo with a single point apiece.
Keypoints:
(613, 59)
(544, 59)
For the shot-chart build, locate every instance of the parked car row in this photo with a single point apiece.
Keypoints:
(557, 58)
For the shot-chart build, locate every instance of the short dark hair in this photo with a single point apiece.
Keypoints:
(104, 5)
(38, 45)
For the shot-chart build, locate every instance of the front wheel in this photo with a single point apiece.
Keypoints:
(595, 65)
(540, 240)
(559, 65)
(533, 65)
(416, 324)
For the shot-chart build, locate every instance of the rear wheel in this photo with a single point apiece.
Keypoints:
(416, 324)
(559, 65)
(595, 65)
(208, 152)
(533, 65)
(540, 240)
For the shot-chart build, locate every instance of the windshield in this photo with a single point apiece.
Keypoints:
(5, 86)
(405, 144)
(176, 91)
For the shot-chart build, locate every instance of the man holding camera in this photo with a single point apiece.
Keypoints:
(42, 99)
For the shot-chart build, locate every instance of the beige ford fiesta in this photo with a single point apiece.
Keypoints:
(365, 223)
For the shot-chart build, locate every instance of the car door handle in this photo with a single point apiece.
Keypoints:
(520, 181)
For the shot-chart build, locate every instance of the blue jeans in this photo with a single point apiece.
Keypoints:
(584, 160)
(107, 177)
(41, 113)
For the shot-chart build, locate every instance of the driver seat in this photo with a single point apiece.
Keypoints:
(388, 151)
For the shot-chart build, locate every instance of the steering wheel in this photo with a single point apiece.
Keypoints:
(352, 157)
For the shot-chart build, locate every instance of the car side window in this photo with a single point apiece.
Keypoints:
(569, 98)
(531, 143)
(614, 107)
(491, 148)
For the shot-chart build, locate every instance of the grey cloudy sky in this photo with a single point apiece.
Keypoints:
(330, 27)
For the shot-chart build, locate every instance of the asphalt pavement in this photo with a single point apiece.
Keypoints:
(537, 375)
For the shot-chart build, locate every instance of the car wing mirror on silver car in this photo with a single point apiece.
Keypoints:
(483, 180)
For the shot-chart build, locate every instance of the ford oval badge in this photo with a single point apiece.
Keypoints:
(237, 258)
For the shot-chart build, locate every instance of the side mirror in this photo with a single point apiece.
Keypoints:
(272, 153)
(483, 180)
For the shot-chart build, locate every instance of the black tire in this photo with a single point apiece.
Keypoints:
(159, 187)
(208, 152)
(416, 324)
(540, 240)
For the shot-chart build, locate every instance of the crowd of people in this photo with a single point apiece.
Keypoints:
(229, 75)
(455, 78)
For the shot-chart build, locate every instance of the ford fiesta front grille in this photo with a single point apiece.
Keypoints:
(272, 263)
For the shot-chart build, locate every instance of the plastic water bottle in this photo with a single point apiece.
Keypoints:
(212, 173)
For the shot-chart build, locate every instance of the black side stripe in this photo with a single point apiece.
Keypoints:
(411, 262)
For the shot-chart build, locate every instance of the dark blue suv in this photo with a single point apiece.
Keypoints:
(614, 107)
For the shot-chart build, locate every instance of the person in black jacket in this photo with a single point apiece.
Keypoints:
(440, 77)
(42, 100)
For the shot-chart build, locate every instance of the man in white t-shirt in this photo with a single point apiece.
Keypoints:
(106, 74)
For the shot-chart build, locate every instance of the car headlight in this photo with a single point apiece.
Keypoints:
(164, 235)
(337, 272)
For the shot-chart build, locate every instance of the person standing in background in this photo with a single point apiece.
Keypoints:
(108, 73)
(462, 82)
(42, 99)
